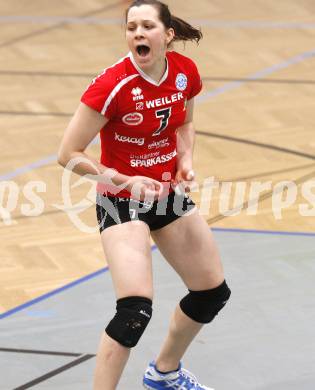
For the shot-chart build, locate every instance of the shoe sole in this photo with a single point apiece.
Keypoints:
(153, 388)
(148, 387)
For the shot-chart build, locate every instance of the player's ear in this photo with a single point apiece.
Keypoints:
(170, 34)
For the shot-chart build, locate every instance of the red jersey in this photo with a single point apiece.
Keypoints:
(140, 136)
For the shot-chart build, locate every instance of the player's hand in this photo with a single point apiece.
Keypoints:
(184, 181)
(144, 188)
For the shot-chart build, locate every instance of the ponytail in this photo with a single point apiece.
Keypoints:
(183, 30)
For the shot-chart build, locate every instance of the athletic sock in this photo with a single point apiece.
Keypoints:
(165, 372)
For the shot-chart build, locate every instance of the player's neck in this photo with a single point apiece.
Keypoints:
(157, 71)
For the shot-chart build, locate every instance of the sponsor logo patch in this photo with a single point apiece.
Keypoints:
(181, 82)
(150, 162)
(159, 144)
(140, 106)
(137, 94)
(176, 97)
(133, 119)
(129, 140)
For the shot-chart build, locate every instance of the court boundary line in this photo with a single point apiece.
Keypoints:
(39, 352)
(53, 293)
(271, 232)
(79, 360)
(258, 144)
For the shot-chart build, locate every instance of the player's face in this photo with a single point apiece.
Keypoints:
(146, 36)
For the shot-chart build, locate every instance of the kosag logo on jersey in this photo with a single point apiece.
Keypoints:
(181, 82)
(129, 140)
(137, 94)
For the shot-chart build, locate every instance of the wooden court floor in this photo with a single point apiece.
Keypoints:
(254, 120)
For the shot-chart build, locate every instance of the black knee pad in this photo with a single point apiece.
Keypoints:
(203, 306)
(132, 317)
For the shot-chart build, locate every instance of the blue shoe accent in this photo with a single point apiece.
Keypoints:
(180, 379)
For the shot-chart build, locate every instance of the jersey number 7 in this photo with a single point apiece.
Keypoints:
(164, 115)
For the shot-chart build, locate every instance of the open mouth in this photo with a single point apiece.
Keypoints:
(143, 50)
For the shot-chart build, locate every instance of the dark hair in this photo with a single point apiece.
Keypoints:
(183, 30)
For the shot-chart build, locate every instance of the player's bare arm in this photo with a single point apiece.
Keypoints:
(185, 149)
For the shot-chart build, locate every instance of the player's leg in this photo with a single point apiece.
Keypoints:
(189, 247)
(130, 267)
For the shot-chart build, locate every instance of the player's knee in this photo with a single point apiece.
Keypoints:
(203, 306)
(132, 317)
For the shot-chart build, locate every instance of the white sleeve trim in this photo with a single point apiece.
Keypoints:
(116, 90)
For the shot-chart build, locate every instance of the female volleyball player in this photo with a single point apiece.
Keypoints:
(143, 108)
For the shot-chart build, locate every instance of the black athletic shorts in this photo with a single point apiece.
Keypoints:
(112, 211)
